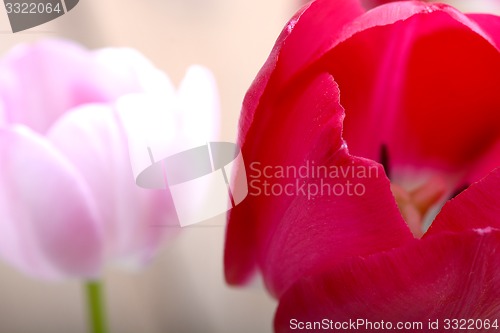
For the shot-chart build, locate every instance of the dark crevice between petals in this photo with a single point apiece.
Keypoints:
(384, 160)
(459, 190)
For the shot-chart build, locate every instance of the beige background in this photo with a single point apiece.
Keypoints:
(184, 289)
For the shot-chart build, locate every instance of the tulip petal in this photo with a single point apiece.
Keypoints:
(199, 107)
(294, 234)
(490, 24)
(49, 223)
(323, 231)
(377, 79)
(160, 125)
(60, 75)
(418, 105)
(398, 74)
(488, 162)
(477, 207)
(447, 276)
(307, 36)
(368, 4)
(295, 60)
(93, 140)
(287, 58)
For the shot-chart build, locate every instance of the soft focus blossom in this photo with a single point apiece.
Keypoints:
(68, 201)
(419, 85)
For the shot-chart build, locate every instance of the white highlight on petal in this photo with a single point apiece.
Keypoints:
(484, 231)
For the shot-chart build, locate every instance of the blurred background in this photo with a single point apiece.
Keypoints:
(183, 290)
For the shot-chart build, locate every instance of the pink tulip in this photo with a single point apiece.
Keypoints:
(68, 200)
(419, 85)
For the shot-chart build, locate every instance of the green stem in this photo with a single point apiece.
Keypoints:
(97, 316)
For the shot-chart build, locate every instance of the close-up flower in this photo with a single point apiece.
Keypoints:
(69, 204)
(408, 90)
(449, 277)
(338, 161)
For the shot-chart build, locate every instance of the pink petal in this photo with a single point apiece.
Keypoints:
(294, 235)
(49, 223)
(447, 276)
(59, 75)
(477, 207)
(92, 139)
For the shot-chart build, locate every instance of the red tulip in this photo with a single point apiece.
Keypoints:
(419, 85)
(450, 277)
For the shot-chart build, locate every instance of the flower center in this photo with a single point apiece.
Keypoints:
(415, 204)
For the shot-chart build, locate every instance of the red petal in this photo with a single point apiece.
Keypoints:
(320, 232)
(374, 3)
(246, 223)
(477, 207)
(291, 234)
(306, 37)
(490, 24)
(447, 276)
(488, 162)
(292, 106)
(425, 86)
